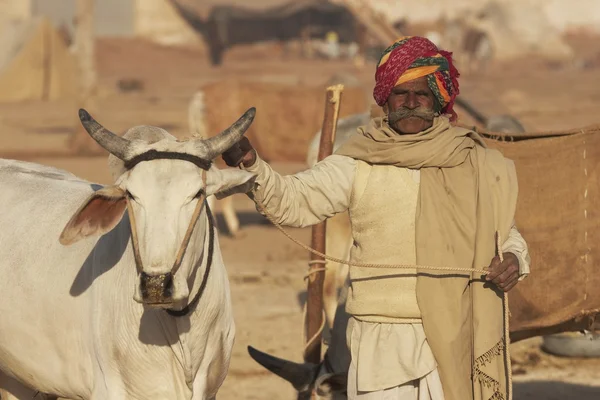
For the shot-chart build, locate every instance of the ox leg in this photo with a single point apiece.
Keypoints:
(231, 219)
(330, 292)
(212, 204)
(338, 242)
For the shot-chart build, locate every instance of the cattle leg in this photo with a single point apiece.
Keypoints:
(338, 242)
(231, 219)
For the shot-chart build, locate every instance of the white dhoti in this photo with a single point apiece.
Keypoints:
(391, 362)
(428, 387)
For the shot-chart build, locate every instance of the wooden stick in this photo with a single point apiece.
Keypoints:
(314, 307)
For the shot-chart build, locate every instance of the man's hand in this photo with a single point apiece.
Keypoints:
(504, 274)
(241, 152)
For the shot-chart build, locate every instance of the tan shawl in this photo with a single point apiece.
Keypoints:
(467, 193)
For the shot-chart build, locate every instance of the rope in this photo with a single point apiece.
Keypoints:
(316, 336)
(372, 265)
(313, 271)
(357, 264)
(507, 346)
(506, 330)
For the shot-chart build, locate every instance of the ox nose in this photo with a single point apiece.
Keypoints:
(156, 289)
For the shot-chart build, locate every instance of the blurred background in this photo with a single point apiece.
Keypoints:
(194, 66)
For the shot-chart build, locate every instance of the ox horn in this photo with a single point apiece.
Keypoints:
(114, 144)
(301, 376)
(220, 143)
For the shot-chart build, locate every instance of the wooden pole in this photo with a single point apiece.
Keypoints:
(314, 306)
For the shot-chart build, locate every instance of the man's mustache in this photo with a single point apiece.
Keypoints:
(419, 112)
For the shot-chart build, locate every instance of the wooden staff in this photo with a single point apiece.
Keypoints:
(314, 306)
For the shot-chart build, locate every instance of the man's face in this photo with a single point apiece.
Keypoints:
(410, 107)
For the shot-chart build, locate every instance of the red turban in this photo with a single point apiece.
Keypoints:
(412, 57)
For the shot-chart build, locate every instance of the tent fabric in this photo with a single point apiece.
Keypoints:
(282, 21)
(202, 8)
(35, 63)
(558, 214)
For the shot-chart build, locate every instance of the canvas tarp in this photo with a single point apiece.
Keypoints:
(35, 63)
(558, 214)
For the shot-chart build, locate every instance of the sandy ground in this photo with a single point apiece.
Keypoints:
(266, 270)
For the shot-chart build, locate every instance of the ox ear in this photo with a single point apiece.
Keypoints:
(225, 182)
(99, 214)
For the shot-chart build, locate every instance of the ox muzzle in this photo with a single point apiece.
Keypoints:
(156, 289)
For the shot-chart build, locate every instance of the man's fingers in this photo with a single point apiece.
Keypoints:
(504, 274)
(507, 269)
(506, 286)
(494, 270)
(512, 284)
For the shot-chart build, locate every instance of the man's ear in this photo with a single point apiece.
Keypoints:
(228, 181)
(98, 214)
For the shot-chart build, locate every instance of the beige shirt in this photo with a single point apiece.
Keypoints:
(384, 355)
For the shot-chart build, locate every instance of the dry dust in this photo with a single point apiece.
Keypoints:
(266, 270)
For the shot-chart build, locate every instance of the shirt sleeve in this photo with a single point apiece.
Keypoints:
(308, 197)
(516, 244)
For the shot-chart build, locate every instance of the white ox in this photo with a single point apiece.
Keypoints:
(87, 319)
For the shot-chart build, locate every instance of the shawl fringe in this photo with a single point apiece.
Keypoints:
(484, 378)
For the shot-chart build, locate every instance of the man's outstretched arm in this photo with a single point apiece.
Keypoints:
(302, 199)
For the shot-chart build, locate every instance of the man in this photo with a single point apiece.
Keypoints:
(419, 191)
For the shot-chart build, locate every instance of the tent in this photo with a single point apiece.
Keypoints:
(35, 62)
(225, 26)
(230, 25)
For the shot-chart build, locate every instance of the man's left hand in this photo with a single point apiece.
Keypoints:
(504, 274)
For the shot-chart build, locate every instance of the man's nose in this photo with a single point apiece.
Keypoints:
(411, 101)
